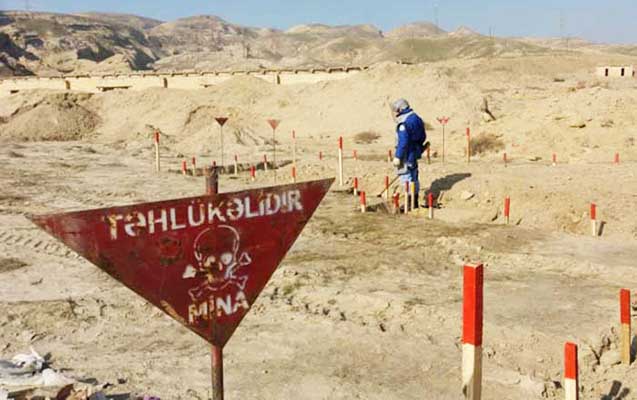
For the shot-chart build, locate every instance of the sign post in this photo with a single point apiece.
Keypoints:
(217, 252)
(443, 121)
(274, 123)
(221, 121)
(157, 160)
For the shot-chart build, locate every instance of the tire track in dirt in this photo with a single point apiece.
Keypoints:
(34, 241)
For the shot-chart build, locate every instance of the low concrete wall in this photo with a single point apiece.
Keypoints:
(179, 80)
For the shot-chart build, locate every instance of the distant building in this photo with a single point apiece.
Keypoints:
(616, 71)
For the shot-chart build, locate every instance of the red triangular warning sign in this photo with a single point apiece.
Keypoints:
(274, 123)
(221, 120)
(202, 260)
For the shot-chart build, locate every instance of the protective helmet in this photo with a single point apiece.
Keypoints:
(399, 106)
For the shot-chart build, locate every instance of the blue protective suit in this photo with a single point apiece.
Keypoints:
(410, 135)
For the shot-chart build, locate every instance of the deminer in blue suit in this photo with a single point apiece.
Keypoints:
(410, 142)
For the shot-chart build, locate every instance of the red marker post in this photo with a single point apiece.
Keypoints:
(616, 158)
(406, 197)
(624, 315)
(355, 186)
(157, 161)
(507, 209)
(253, 173)
(430, 204)
(571, 372)
(294, 147)
(594, 219)
(554, 159)
(294, 174)
(396, 202)
(363, 202)
(340, 161)
(236, 164)
(194, 166)
(355, 155)
(184, 168)
(472, 316)
(504, 157)
(390, 157)
(320, 156)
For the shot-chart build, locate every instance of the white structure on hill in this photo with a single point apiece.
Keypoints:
(616, 71)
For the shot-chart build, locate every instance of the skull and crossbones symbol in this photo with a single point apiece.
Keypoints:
(218, 260)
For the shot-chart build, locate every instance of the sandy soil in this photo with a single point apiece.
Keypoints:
(365, 306)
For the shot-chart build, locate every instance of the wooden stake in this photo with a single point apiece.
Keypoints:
(468, 145)
(505, 159)
(157, 161)
(624, 305)
(386, 188)
(412, 193)
(340, 161)
(571, 372)
(430, 204)
(594, 219)
(472, 311)
(294, 148)
(507, 209)
(428, 155)
(265, 162)
(390, 158)
(217, 372)
(363, 202)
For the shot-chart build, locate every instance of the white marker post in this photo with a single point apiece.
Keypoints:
(157, 161)
(340, 161)
(472, 311)
(571, 372)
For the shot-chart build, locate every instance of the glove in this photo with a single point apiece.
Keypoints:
(397, 162)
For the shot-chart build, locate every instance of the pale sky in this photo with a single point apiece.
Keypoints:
(602, 21)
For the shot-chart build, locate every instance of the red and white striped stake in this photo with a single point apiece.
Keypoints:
(430, 204)
(213, 164)
(355, 186)
(194, 166)
(616, 158)
(265, 162)
(294, 174)
(412, 194)
(406, 197)
(363, 202)
(504, 157)
(184, 167)
(386, 187)
(428, 155)
(507, 209)
(396, 201)
(554, 159)
(472, 310)
(253, 172)
(594, 219)
(624, 314)
(468, 145)
(390, 158)
(355, 154)
(571, 372)
(320, 156)
(340, 161)
(157, 161)
(236, 164)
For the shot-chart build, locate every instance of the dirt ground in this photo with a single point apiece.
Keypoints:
(365, 306)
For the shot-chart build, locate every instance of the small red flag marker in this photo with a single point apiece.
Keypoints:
(472, 317)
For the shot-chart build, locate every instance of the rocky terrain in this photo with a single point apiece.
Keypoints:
(46, 43)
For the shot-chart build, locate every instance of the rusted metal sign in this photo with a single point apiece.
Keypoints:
(202, 260)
